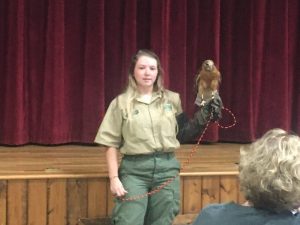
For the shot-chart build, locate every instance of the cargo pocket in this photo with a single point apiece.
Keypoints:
(174, 211)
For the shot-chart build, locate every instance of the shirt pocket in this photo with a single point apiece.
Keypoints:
(168, 121)
(136, 126)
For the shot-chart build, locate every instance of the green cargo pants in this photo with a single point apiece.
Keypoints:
(141, 174)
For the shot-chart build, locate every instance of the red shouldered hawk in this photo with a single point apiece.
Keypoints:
(208, 80)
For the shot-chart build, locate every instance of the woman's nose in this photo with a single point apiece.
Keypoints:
(147, 72)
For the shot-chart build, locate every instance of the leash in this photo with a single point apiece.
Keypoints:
(187, 162)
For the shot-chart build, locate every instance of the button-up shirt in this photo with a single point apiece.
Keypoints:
(148, 126)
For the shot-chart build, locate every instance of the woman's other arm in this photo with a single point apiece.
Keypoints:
(116, 186)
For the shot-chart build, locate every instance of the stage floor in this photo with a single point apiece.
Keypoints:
(78, 161)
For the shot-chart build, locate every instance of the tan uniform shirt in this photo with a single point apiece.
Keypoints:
(150, 127)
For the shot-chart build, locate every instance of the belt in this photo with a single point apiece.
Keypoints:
(158, 154)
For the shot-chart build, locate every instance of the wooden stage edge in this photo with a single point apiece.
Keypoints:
(59, 185)
(82, 161)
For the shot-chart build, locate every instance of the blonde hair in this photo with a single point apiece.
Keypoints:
(270, 171)
(131, 89)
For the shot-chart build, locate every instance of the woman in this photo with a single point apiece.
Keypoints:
(270, 180)
(146, 124)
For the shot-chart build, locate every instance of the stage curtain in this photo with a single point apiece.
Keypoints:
(63, 61)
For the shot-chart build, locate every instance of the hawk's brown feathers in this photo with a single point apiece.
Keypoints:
(208, 80)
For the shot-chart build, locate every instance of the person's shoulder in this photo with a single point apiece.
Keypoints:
(217, 206)
(171, 95)
(120, 101)
(213, 214)
(121, 97)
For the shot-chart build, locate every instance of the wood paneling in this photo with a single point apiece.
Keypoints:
(97, 197)
(210, 190)
(229, 188)
(64, 201)
(37, 202)
(16, 198)
(76, 200)
(3, 200)
(59, 185)
(75, 161)
(57, 202)
(192, 194)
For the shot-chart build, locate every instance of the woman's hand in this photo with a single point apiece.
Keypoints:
(216, 106)
(116, 187)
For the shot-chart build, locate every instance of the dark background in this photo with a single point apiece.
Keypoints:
(63, 61)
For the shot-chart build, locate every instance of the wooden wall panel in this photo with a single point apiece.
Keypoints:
(192, 194)
(57, 187)
(64, 201)
(181, 210)
(210, 190)
(97, 197)
(241, 198)
(16, 202)
(229, 189)
(57, 202)
(37, 202)
(76, 200)
(3, 197)
(110, 200)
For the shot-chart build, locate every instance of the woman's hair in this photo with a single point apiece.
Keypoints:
(270, 171)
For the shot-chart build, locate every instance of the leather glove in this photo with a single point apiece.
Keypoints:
(216, 106)
(212, 108)
(189, 129)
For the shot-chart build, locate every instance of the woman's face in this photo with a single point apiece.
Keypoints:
(145, 73)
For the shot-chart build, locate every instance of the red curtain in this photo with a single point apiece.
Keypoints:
(63, 61)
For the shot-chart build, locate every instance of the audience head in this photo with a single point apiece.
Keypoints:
(270, 171)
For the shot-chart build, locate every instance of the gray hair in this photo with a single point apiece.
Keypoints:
(270, 171)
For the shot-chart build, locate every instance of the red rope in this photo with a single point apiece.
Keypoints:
(185, 164)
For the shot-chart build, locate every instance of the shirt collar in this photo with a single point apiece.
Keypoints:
(155, 95)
